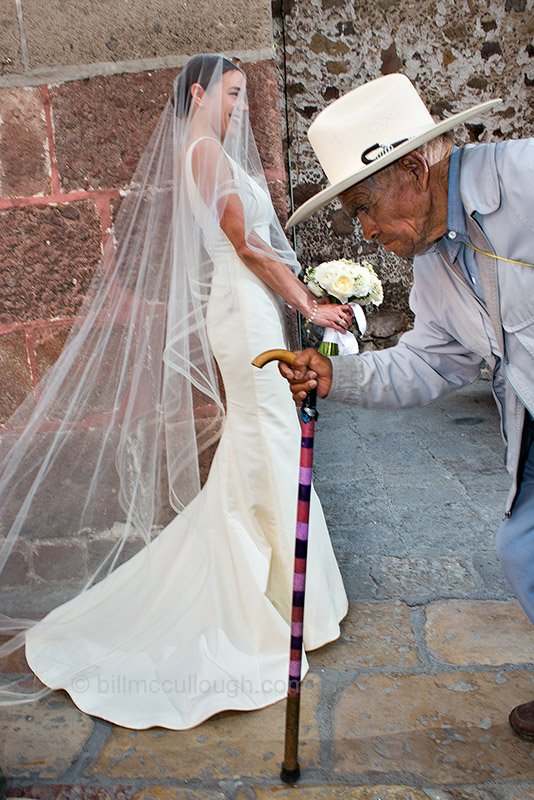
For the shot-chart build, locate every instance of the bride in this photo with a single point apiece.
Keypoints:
(179, 606)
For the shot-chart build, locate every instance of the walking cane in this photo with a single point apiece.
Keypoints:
(290, 772)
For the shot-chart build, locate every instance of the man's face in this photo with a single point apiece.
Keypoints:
(396, 214)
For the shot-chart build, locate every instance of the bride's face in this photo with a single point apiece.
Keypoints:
(223, 100)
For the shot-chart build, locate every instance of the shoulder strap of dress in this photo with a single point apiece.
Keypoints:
(191, 183)
(192, 187)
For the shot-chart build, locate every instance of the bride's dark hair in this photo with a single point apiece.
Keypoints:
(198, 69)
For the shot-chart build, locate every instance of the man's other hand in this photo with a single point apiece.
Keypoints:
(309, 370)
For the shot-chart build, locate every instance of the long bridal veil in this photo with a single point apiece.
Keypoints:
(117, 438)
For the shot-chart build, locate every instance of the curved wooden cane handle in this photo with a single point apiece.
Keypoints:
(274, 355)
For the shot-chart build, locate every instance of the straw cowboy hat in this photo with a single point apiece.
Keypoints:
(369, 128)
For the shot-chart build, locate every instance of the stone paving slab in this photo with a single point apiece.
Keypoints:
(296, 792)
(423, 577)
(54, 792)
(522, 793)
(41, 740)
(412, 701)
(175, 793)
(372, 635)
(464, 632)
(156, 792)
(488, 567)
(218, 749)
(342, 792)
(446, 728)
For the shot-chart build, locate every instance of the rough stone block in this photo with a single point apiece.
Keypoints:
(24, 158)
(34, 602)
(265, 119)
(479, 632)
(110, 31)
(49, 254)
(17, 569)
(446, 728)
(99, 547)
(59, 560)
(384, 324)
(15, 374)
(103, 124)
(372, 635)
(278, 192)
(42, 740)
(220, 748)
(11, 56)
(57, 508)
(15, 663)
(48, 344)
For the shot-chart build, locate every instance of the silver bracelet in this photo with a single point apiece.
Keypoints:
(312, 315)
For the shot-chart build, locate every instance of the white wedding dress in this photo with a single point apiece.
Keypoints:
(199, 620)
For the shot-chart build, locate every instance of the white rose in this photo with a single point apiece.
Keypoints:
(324, 273)
(312, 284)
(362, 281)
(316, 289)
(335, 277)
(346, 280)
(376, 293)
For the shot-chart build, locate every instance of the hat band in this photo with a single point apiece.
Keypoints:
(383, 149)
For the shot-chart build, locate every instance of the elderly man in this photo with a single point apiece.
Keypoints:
(466, 216)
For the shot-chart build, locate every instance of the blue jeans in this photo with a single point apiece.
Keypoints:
(515, 540)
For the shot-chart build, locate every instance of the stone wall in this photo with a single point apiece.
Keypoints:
(457, 53)
(81, 89)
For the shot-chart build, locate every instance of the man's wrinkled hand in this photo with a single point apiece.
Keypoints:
(310, 370)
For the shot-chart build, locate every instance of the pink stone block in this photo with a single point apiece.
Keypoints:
(265, 116)
(102, 125)
(24, 156)
(15, 374)
(56, 560)
(49, 254)
(48, 343)
(16, 571)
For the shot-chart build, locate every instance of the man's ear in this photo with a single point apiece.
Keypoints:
(416, 168)
(197, 93)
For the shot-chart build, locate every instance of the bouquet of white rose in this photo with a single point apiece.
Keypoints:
(345, 281)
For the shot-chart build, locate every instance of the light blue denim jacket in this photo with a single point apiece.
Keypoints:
(453, 332)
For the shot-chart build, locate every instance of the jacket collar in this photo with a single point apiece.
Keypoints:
(479, 197)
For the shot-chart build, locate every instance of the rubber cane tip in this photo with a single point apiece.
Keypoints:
(290, 775)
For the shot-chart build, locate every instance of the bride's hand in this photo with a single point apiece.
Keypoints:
(332, 315)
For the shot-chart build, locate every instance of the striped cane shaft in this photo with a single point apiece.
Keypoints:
(301, 550)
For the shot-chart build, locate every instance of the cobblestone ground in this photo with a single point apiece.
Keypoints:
(411, 703)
